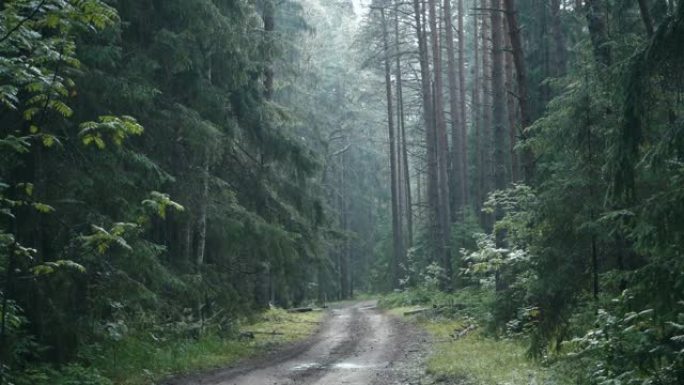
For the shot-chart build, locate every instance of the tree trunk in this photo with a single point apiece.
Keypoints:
(202, 220)
(396, 212)
(646, 17)
(486, 137)
(476, 111)
(560, 56)
(522, 85)
(443, 211)
(462, 105)
(498, 107)
(202, 230)
(402, 143)
(343, 257)
(458, 180)
(269, 29)
(431, 152)
(511, 109)
(598, 31)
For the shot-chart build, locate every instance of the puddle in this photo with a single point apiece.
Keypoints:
(349, 365)
(306, 366)
(339, 365)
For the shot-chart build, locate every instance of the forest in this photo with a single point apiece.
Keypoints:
(172, 169)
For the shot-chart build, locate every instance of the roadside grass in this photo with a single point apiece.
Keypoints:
(479, 360)
(145, 359)
(472, 358)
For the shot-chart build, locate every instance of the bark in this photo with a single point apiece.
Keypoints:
(7, 292)
(343, 257)
(431, 155)
(560, 54)
(485, 137)
(476, 113)
(522, 85)
(646, 17)
(511, 109)
(598, 31)
(462, 105)
(396, 212)
(202, 220)
(458, 180)
(443, 210)
(202, 230)
(269, 28)
(402, 142)
(498, 97)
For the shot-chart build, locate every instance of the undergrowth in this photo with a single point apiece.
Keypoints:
(462, 351)
(145, 358)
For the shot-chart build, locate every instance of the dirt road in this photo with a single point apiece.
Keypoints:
(357, 344)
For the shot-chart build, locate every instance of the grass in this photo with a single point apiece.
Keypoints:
(144, 360)
(472, 359)
(479, 360)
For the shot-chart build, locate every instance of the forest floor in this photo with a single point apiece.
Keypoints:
(357, 344)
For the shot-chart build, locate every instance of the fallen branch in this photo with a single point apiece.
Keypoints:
(271, 333)
(465, 331)
(300, 310)
(416, 311)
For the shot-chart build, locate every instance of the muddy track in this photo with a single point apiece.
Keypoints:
(357, 344)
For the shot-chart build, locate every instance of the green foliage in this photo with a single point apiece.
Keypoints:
(117, 128)
(633, 348)
(102, 224)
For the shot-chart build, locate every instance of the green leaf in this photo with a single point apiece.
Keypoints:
(43, 208)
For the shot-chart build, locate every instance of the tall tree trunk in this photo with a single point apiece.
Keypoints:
(343, 257)
(202, 215)
(560, 55)
(7, 293)
(269, 29)
(402, 142)
(486, 136)
(458, 180)
(511, 109)
(346, 255)
(522, 85)
(462, 105)
(431, 152)
(498, 104)
(598, 31)
(646, 17)
(202, 230)
(443, 210)
(396, 212)
(476, 113)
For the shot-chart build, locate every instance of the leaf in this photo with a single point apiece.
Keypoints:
(43, 208)
(43, 269)
(48, 140)
(19, 144)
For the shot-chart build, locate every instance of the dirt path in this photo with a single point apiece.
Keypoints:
(358, 344)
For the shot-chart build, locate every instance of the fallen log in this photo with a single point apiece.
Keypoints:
(416, 311)
(300, 310)
(464, 332)
(251, 334)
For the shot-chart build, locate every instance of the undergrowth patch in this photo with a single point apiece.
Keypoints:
(462, 352)
(145, 358)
